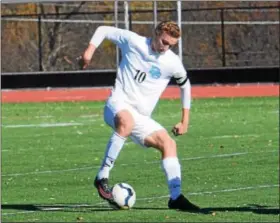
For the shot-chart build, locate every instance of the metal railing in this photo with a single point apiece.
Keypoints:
(129, 23)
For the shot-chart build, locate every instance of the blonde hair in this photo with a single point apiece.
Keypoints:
(169, 27)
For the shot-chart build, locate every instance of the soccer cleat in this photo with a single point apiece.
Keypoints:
(183, 204)
(103, 189)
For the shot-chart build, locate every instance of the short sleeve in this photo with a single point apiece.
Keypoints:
(180, 74)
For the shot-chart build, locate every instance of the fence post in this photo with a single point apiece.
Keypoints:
(40, 43)
(223, 38)
(116, 15)
(179, 21)
(126, 15)
(279, 33)
(155, 13)
(129, 20)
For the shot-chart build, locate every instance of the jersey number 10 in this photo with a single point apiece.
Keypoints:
(140, 76)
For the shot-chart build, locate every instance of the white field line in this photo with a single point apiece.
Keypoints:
(145, 199)
(275, 112)
(127, 164)
(45, 149)
(44, 116)
(51, 149)
(129, 143)
(216, 191)
(234, 136)
(161, 106)
(47, 125)
(201, 113)
(52, 116)
(43, 125)
(89, 116)
(168, 115)
(65, 124)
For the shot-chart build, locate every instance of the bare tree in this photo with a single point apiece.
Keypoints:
(52, 34)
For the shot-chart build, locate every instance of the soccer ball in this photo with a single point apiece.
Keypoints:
(124, 195)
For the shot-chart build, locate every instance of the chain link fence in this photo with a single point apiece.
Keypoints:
(50, 37)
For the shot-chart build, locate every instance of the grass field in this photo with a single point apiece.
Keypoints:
(230, 163)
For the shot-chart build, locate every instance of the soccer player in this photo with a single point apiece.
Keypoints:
(146, 67)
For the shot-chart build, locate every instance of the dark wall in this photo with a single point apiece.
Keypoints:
(98, 79)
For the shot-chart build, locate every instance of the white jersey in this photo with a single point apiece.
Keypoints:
(143, 74)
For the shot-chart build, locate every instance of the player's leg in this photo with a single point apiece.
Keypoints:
(170, 163)
(121, 120)
(123, 124)
(149, 133)
(167, 146)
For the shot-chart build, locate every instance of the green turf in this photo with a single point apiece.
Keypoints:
(229, 160)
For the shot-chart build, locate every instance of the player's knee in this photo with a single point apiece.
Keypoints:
(170, 147)
(124, 130)
(163, 142)
(173, 144)
(124, 124)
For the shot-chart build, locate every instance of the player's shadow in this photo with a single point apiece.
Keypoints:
(68, 207)
(57, 207)
(254, 208)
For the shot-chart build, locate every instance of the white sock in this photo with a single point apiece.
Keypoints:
(172, 169)
(113, 149)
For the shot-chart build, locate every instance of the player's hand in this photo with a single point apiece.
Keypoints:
(180, 129)
(79, 61)
(86, 58)
(83, 62)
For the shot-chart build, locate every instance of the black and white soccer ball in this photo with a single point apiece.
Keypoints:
(123, 195)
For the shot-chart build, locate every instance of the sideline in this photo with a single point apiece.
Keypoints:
(172, 92)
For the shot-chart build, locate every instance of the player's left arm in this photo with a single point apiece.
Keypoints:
(185, 90)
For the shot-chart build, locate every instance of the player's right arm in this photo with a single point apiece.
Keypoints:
(118, 36)
(180, 75)
(88, 55)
